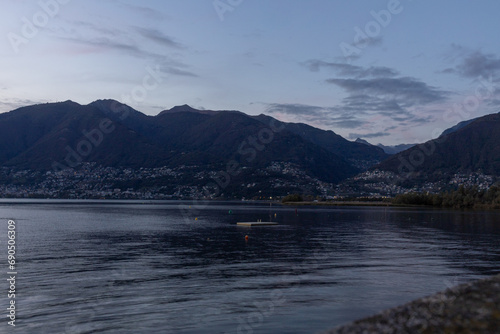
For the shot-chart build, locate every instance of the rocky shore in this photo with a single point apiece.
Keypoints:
(468, 308)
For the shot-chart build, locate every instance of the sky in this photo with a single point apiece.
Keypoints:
(390, 71)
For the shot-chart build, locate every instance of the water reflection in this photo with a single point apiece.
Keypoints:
(155, 268)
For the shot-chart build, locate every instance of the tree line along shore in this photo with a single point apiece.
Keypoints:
(461, 198)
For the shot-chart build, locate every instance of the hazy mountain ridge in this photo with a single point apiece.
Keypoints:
(252, 152)
(471, 147)
(395, 149)
(466, 155)
(392, 149)
(55, 136)
(357, 154)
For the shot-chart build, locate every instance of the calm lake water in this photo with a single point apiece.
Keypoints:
(173, 267)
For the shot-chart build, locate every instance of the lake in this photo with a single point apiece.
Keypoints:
(185, 267)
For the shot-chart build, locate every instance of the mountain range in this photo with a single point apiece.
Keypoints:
(57, 136)
(62, 136)
(470, 147)
(393, 149)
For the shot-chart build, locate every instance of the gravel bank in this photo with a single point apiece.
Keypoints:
(468, 308)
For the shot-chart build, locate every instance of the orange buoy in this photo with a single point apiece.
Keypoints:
(196, 218)
(246, 237)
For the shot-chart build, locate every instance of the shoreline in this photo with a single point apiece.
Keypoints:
(26, 201)
(388, 204)
(472, 307)
(352, 203)
(161, 201)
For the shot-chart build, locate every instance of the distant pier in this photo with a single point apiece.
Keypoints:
(256, 223)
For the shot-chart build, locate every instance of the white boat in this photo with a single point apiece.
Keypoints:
(256, 223)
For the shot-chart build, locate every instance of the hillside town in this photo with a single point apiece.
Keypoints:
(377, 183)
(91, 181)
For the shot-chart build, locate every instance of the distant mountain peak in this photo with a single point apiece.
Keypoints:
(104, 101)
(183, 108)
(187, 108)
(110, 107)
(395, 149)
(362, 141)
(69, 102)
